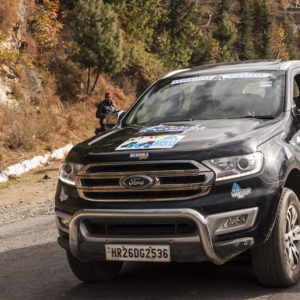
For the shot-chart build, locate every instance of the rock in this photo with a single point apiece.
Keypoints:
(13, 177)
(46, 177)
(5, 95)
(34, 81)
(10, 73)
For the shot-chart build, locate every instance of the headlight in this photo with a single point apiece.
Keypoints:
(236, 166)
(68, 171)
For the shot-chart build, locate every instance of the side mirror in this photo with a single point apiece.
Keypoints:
(113, 119)
(121, 114)
(297, 115)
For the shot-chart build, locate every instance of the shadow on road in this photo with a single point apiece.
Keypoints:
(42, 272)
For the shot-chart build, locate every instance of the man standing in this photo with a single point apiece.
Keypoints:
(105, 107)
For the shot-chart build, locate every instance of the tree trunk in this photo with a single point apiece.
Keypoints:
(88, 81)
(96, 80)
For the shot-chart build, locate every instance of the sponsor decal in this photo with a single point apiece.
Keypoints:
(151, 142)
(171, 128)
(63, 196)
(238, 192)
(218, 77)
(288, 152)
(222, 77)
(266, 84)
(139, 156)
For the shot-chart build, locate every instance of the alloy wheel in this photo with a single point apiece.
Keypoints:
(292, 237)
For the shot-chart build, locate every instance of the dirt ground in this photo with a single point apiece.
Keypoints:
(32, 194)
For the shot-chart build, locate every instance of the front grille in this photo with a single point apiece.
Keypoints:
(182, 228)
(172, 180)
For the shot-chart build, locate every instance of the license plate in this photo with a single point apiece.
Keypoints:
(154, 253)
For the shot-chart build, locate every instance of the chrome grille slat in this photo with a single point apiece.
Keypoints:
(173, 187)
(174, 173)
(88, 187)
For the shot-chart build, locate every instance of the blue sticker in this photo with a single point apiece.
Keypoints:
(238, 192)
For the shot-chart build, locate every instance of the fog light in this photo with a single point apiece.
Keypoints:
(235, 221)
(231, 221)
(65, 222)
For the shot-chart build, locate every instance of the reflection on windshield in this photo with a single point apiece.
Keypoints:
(210, 97)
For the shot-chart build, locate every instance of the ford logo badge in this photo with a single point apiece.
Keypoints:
(137, 182)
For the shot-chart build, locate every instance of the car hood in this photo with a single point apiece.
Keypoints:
(194, 140)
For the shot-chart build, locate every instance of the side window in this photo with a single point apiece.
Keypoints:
(296, 91)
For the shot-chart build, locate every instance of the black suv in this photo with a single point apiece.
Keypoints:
(202, 167)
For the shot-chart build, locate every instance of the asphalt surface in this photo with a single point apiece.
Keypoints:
(33, 266)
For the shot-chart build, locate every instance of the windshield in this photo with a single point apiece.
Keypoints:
(224, 96)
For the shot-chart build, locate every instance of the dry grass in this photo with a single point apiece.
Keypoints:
(26, 129)
(8, 16)
(59, 112)
(43, 123)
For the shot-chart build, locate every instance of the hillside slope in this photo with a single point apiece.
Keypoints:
(43, 99)
(42, 94)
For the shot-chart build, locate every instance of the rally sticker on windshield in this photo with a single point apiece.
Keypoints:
(151, 142)
(221, 77)
(172, 128)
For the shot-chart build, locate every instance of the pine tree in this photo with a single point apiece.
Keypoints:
(266, 25)
(290, 37)
(245, 45)
(224, 6)
(138, 18)
(97, 42)
(178, 33)
(208, 52)
(226, 34)
(262, 29)
(177, 14)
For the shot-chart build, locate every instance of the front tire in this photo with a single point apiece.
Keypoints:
(277, 262)
(94, 271)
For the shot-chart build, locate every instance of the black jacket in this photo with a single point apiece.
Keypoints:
(105, 107)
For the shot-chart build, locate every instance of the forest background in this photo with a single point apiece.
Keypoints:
(58, 57)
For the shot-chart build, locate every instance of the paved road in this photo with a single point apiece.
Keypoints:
(32, 266)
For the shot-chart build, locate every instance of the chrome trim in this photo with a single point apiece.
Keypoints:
(79, 233)
(61, 215)
(216, 221)
(204, 192)
(203, 187)
(174, 72)
(172, 187)
(151, 181)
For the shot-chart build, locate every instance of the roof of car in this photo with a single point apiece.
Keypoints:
(248, 66)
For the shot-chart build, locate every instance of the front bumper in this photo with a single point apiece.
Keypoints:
(85, 245)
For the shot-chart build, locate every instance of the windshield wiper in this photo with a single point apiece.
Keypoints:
(263, 117)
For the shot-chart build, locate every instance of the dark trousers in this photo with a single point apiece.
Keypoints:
(102, 126)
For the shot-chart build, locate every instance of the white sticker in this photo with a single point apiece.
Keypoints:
(238, 192)
(221, 77)
(151, 142)
(266, 84)
(172, 128)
